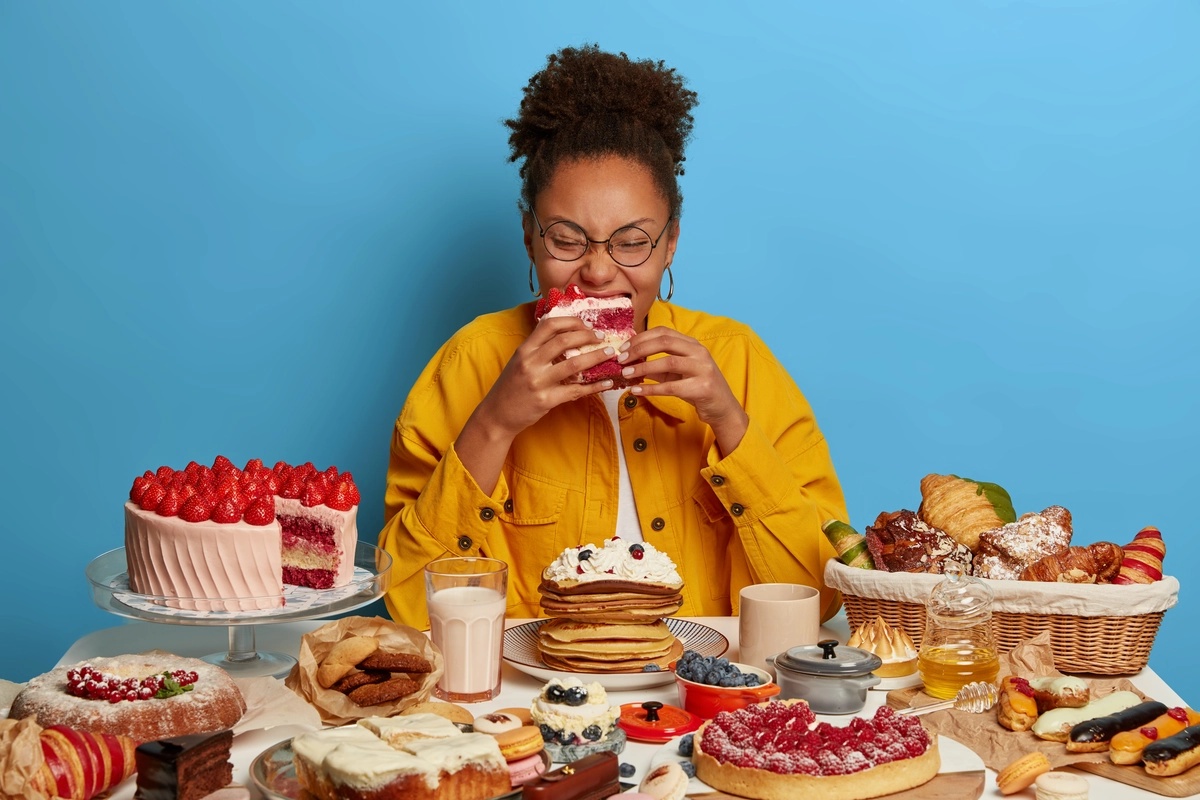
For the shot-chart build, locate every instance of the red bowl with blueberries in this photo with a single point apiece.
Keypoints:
(709, 685)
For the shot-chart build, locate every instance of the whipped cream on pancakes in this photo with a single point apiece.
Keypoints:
(640, 562)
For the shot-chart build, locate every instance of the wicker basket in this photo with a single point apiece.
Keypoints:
(1101, 630)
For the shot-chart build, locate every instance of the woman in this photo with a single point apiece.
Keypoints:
(716, 459)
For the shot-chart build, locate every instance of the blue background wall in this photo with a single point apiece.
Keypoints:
(969, 229)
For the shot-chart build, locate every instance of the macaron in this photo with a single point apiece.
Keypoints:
(520, 742)
(665, 782)
(1021, 773)
(522, 714)
(1061, 786)
(526, 770)
(496, 723)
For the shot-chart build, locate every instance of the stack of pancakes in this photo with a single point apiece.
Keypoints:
(608, 625)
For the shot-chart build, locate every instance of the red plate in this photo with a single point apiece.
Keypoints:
(671, 722)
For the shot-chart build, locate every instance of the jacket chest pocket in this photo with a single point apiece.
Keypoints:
(531, 518)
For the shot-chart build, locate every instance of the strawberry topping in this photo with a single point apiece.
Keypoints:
(195, 509)
(226, 511)
(170, 504)
(260, 512)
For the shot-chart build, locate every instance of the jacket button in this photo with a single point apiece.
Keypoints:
(508, 506)
(717, 480)
(737, 509)
(630, 401)
(464, 543)
(639, 445)
(658, 524)
(486, 513)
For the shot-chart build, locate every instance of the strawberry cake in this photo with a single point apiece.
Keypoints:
(778, 751)
(611, 316)
(221, 538)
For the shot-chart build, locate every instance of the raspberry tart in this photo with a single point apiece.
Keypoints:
(778, 751)
(144, 697)
(221, 538)
(610, 316)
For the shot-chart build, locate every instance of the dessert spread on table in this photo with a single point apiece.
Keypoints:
(223, 538)
(86, 727)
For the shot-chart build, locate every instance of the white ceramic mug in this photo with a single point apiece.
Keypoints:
(775, 617)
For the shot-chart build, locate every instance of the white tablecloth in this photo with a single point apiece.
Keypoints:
(518, 689)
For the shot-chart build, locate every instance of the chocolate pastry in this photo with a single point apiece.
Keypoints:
(900, 542)
(593, 777)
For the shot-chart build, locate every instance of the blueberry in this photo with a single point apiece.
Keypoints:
(686, 745)
(547, 732)
(562, 737)
(555, 693)
(592, 733)
(730, 682)
(584, 555)
(752, 679)
(688, 768)
(575, 696)
(651, 668)
(627, 769)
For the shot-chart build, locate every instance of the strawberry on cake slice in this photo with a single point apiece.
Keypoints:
(611, 316)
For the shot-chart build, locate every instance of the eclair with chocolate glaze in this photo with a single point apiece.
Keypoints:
(1094, 735)
(1175, 754)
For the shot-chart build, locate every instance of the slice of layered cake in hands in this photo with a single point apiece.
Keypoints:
(610, 316)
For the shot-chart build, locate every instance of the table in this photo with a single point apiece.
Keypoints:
(518, 689)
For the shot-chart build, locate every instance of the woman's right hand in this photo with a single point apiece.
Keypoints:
(532, 382)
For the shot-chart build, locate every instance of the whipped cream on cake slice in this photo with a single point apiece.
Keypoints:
(610, 316)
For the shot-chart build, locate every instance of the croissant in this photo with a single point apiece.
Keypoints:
(964, 508)
(1096, 563)
(61, 762)
(1108, 560)
(1143, 558)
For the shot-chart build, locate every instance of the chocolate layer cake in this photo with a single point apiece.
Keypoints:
(185, 767)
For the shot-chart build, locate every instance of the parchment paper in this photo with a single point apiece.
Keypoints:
(336, 708)
(997, 745)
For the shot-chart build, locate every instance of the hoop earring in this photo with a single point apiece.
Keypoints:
(533, 291)
(670, 287)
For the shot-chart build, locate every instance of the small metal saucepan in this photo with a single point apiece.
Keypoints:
(833, 678)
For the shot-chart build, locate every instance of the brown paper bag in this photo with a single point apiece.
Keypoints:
(336, 708)
(20, 759)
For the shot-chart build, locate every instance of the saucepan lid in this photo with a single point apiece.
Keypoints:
(828, 658)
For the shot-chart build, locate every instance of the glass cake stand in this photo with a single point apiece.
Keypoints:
(109, 578)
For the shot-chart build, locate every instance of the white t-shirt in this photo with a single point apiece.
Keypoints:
(628, 526)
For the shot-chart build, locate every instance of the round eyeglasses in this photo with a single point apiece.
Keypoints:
(629, 246)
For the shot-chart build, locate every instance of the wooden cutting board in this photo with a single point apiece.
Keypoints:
(950, 786)
(1184, 785)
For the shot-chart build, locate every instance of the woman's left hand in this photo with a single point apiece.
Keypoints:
(687, 371)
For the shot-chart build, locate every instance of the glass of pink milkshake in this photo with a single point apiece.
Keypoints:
(467, 599)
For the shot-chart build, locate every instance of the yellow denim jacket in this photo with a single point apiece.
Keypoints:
(753, 516)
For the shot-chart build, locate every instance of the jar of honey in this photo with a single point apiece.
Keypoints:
(959, 646)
